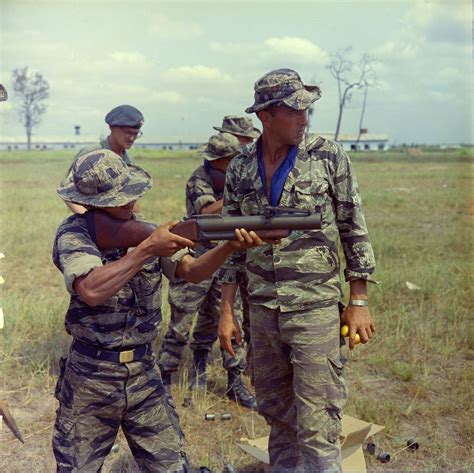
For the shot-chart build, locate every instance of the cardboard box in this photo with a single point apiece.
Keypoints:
(354, 433)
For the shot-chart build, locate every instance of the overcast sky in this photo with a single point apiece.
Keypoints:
(186, 64)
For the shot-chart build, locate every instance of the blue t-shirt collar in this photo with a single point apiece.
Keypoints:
(279, 178)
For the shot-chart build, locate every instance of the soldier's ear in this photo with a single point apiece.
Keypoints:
(265, 117)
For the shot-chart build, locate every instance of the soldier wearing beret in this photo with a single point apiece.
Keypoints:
(294, 287)
(110, 378)
(124, 123)
(204, 196)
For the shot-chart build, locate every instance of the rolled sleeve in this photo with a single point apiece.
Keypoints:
(199, 191)
(169, 264)
(202, 201)
(352, 275)
(75, 253)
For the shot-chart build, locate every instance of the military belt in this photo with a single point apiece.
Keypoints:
(115, 356)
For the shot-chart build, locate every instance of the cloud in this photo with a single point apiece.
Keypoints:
(246, 49)
(129, 59)
(397, 49)
(166, 96)
(197, 73)
(448, 22)
(162, 26)
(286, 49)
(296, 49)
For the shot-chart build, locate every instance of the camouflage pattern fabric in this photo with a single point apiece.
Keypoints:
(101, 178)
(222, 145)
(199, 191)
(96, 397)
(187, 299)
(103, 144)
(294, 290)
(303, 270)
(299, 385)
(241, 126)
(129, 318)
(283, 86)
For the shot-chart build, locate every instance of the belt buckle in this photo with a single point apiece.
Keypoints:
(126, 356)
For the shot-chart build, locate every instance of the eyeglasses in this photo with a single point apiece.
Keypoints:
(132, 134)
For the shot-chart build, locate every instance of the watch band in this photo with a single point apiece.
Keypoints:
(359, 302)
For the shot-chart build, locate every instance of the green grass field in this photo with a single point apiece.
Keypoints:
(415, 377)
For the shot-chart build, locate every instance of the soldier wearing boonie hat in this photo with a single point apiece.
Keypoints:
(110, 378)
(241, 127)
(294, 287)
(283, 87)
(203, 195)
(124, 123)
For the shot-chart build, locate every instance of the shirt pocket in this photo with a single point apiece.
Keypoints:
(310, 195)
(313, 196)
(250, 204)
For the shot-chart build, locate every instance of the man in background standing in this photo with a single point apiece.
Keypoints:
(124, 123)
(204, 195)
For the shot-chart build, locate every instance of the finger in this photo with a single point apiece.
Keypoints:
(226, 343)
(352, 334)
(183, 242)
(255, 238)
(246, 236)
(229, 348)
(369, 331)
(364, 337)
(238, 338)
(238, 234)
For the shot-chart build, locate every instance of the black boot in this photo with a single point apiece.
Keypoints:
(197, 375)
(236, 391)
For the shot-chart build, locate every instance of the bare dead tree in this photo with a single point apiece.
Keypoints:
(362, 113)
(314, 80)
(349, 76)
(32, 90)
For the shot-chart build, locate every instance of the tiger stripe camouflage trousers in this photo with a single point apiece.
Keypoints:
(299, 386)
(204, 299)
(97, 397)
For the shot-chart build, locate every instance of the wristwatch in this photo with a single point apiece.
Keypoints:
(359, 302)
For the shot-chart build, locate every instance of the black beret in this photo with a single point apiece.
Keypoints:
(125, 115)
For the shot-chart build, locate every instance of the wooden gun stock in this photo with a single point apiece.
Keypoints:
(109, 233)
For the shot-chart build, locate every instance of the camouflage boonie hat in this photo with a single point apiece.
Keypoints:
(241, 126)
(101, 178)
(283, 86)
(125, 115)
(222, 145)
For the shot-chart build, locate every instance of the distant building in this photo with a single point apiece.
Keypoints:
(364, 142)
(367, 142)
(55, 145)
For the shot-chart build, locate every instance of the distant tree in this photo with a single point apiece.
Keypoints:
(362, 112)
(32, 89)
(314, 80)
(350, 76)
